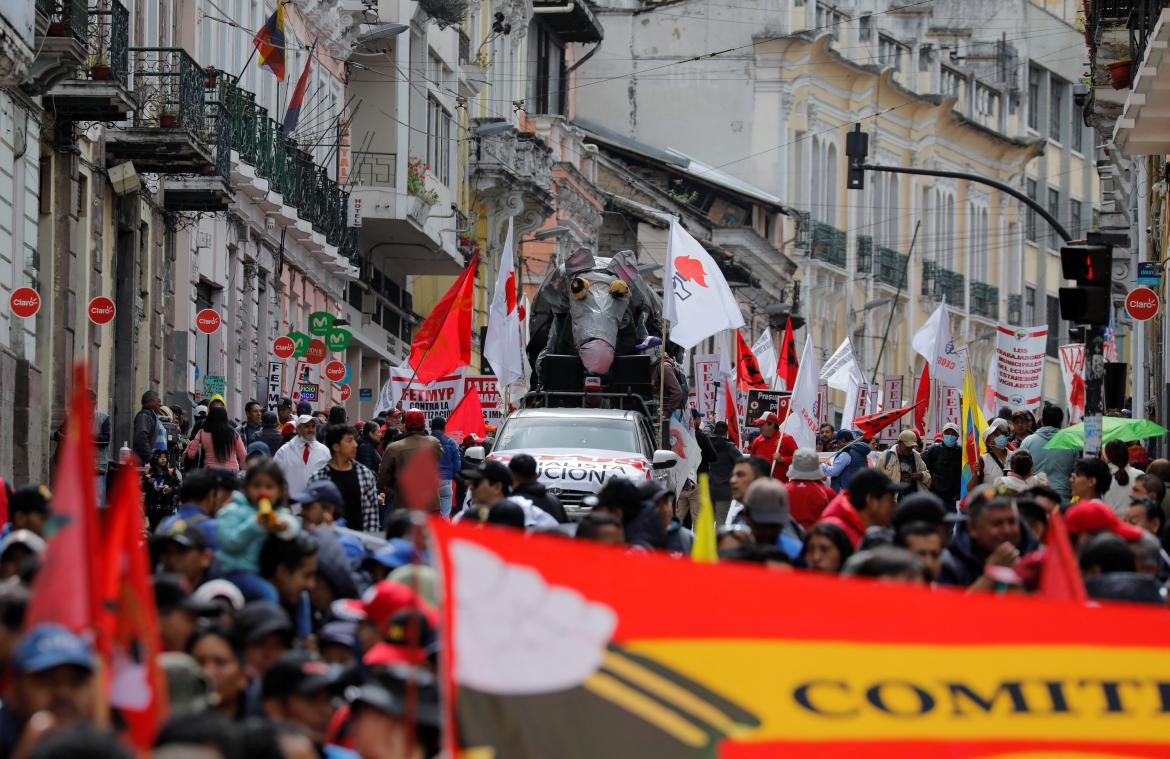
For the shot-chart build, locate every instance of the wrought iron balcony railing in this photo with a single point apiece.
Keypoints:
(108, 43)
(938, 282)
(170, 89)
(290, 170)
(984, 300)
(864, 254)
(67, 18)
(889, 267)
(1143, 16)
(803, 230)
(1015, 314)
(828, 244)
(374, 169)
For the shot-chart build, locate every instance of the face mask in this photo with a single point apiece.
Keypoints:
(950, 441)
(1000, 441)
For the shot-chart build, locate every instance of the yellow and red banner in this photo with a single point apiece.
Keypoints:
(564, 648)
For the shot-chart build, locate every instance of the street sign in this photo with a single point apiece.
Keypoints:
(101, 310)
(1149, 273)
(320, 322)
(365, 394)
(337, 339)
(344, 392)
(214, 384)
(25, 302)
(208, 321)
(335, 371)
(1092, 434)
(316, 352)
(301, 343)
(284, 347)
(1141, 303)
(308, 393)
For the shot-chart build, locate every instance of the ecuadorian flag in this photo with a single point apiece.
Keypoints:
(973, 424)
(270, 42)
(293, 114)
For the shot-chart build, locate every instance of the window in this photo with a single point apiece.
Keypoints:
(439, 142)
(865, 26)
(1074, 219)
(547, 75)
(830, 20)
(1056, 112)
(947, 257)
(1030, 306)
(1030, 217)
(1054, 209)
(951, 80)
(1034, 75)
(924, 58)
(1052, 346)
(436, 72)
(890, 52)
(1078, 131)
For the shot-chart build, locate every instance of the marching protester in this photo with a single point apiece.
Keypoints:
(1055, 464)
(903, 463)
(449, 464)
(357, 484)
(808, 495)
(302, 456)
(944, 460)
(852, 457)
(217, 443)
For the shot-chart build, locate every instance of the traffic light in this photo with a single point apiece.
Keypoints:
(856, 150)
(1092, 268)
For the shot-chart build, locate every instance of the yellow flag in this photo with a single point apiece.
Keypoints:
(972, 428)
(703, 549)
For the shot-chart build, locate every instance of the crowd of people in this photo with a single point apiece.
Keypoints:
(297, 599)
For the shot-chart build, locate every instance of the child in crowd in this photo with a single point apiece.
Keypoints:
(245, 523)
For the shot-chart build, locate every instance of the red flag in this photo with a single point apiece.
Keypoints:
(732, 413)
(443, 343)
(787, 367)
(875, 423)
(467, 417)
(137, 687)
(922, 399)
(65, 591)
(747, 368)
(1060, 577)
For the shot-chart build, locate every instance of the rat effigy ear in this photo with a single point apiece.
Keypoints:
(580, 259)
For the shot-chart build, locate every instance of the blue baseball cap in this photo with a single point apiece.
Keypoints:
(48, 645)
(396, 553)
(321, 490)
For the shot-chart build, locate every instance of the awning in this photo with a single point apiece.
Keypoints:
(1144, 125)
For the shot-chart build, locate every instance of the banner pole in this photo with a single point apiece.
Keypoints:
(664, 423)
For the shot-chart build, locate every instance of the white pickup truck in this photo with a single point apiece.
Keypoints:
(578, 449)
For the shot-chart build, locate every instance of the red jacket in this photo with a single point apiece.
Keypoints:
(841, 513)
(764, 447)
(807, 499)
(787, 448)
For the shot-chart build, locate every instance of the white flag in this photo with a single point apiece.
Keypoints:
(802, 422)
(935, 344)
(843, 371)
(697, 301)
(989, 388)
(501, 345)
(727, 368)
(765, 354)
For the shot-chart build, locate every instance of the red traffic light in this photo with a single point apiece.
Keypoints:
(1087, 264)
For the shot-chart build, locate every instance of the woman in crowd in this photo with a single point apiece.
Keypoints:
(826, 548)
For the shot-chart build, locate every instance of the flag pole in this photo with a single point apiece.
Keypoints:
(414, 374)
(894, 305)
(664, 423)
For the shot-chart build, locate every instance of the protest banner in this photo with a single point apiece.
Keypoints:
(706, 376)
(434, 399)
(1020, 353)
(275, 383)
(487, 385)
(762, 402)
(733, 678)
(891, 399)
(1072, 369)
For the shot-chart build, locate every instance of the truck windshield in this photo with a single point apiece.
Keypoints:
(576, 433)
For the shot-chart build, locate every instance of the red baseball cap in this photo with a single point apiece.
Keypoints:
(390, 655)
(769, 418)
(1098, 516)
(381, 602)
(414, 420)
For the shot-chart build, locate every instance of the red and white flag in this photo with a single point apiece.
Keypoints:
(502, 345)
(697, 301)
(803, 420)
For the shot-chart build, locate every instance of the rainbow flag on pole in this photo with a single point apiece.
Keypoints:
(973, 424)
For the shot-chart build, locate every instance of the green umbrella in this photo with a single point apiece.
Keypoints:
(1112, 428)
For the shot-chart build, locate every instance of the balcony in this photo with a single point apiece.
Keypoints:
(1107, 35)
(98, 91)
(984, 300)
(62, 29)
(939, 283)
(889, 268)
(275, 171)
(174, 129)
(828, 244)
(1141, 127)
(803, 230)
(1015, 310)
(864, 254)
